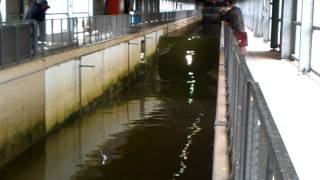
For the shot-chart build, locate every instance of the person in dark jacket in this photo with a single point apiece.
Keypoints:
(232, 16)
(37, 11)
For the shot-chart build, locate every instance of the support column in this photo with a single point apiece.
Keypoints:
(287, 29)
(275, 24)
(266, 20)
(306, 38)
(256, 17)
(260, 19)
(0, 11)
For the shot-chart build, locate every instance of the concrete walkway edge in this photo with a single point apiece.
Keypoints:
(221, 162)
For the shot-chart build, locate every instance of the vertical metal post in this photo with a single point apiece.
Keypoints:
(266, 20)
(256, 17)
(61, 33)
(116, 26)
(80, 87)
(246, 110)
(80, 83)
(96, 28)
(306, 36)
(260, 18)
(84, 31)
(275, 24)
(17, 43)
(1, 45)
(128, 58)
(105, 28)
(77, 31)
(42, 36)
(52, 33)
(34, 38)
(70, 24)
(90, 30)
(252, 14)
(249, 141)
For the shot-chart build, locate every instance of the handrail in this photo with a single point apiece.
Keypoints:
(316, 28)
(25, 40)
(257, 149)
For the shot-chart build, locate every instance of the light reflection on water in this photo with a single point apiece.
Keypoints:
(157, 133)
(195, 129)
(189, 57)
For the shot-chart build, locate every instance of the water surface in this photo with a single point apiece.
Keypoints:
(160, 128)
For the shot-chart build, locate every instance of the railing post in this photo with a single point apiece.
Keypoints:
(1, 45)
(52, 33)
(84, 31)
(17, 43)
(90, 30)
(61, 33)
(96, 34)
(34, 39)
(249, 133)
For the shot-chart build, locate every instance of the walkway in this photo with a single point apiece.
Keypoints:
(294, 102)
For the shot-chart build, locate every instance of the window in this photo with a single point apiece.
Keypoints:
(315, 57)
(316, 15)
(57, 7)
(299, 10)
(298, 29)
(297, 41)
(80, 6)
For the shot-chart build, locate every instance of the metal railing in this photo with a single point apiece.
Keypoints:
(24, 40)
(256, 147)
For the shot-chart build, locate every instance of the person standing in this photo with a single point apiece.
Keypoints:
(37, 12)
(232, 16)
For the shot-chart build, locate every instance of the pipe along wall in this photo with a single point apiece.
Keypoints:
(38, 96)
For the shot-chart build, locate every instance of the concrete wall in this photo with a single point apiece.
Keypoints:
(151, 43)
(39, 95)
(22, 114)
(61, 93)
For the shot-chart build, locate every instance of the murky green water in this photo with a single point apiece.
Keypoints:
(161, 128)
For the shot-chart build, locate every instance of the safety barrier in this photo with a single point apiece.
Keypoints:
(24, 40)
(256, 147)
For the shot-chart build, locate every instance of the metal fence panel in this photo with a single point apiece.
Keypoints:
(20, 40)
(257, 150)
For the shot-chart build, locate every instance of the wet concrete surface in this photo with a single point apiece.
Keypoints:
(157, 129)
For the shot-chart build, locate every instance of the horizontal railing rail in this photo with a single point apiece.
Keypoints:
(256, 147)
(23, 40)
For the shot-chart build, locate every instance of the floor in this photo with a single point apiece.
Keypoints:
(294, 100)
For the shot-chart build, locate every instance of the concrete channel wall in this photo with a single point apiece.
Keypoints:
(38, 96)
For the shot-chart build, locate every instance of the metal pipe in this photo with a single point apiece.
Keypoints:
(80, 83)
(1, 49)
(17, 43)
(61, 33)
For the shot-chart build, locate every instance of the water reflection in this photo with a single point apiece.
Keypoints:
(195, 129)
(161, 129)
(189, 57)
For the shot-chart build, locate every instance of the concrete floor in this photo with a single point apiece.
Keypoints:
(294, 101)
